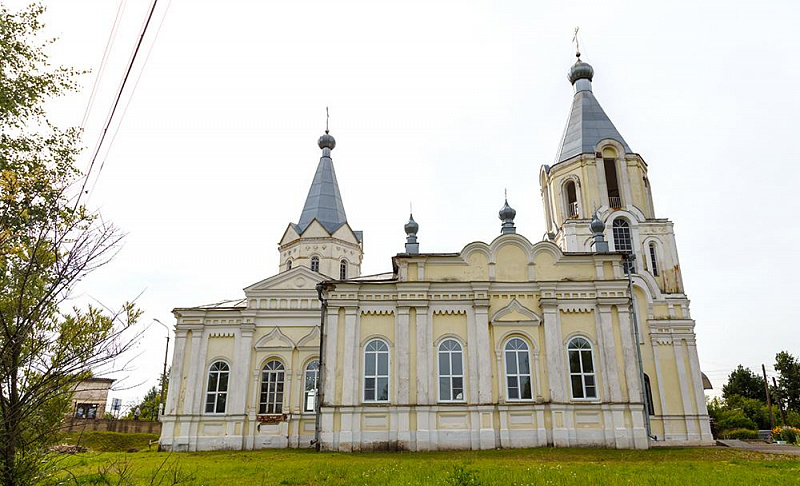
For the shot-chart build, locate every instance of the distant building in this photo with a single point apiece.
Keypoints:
(90, 397)
(510, 343)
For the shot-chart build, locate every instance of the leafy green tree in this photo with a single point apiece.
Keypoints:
(789, 379)
(743, 382)
(48, 242)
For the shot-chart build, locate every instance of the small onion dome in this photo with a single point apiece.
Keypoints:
(507, 212)
(411, 227)
(596, 225)
(580, 70)
(326, 141)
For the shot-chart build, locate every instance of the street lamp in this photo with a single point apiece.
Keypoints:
(164, 373)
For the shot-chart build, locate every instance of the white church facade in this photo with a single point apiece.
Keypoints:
(583, 339)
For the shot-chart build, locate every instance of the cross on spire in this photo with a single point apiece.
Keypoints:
(577, 42)
(327, 119)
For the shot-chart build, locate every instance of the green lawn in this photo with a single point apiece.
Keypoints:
(501, 467)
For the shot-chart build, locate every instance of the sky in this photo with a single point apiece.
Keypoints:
(442, 105)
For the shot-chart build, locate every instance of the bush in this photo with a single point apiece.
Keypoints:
(739, 434)
(734, 419)
(109, 441)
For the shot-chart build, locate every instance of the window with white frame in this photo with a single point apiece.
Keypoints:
(315, 264)
(311, 386)
(581, 368)
(451, 371)
(217, 390)
(343, 270)
(271, 396)
(518, 370)
(622, 241)
(376, 371)
(653, 260)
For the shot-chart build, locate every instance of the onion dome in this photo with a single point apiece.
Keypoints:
(507, 215)
(327, 141)
(596, 225)
(580, 70)
(411, 227)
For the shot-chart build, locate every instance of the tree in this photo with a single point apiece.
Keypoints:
(789, 379)
(743, 382)
(48, 243)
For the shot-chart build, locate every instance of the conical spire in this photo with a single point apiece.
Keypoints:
(324, 202)
(587, 123)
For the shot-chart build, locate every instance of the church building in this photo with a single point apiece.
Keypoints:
(583, 339)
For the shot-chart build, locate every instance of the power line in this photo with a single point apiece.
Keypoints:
(116, 102)
(112, 36)
(130, 98)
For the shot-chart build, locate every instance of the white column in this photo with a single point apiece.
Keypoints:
(330, 342)
(473, 385)
(632, 377)
(700, 399)
(349, 373)
(556, 371)
(605, 341)
(483, 348)
(402, 355)
(176, 373)
(692, 432)
(196, 367)
(243, 346)
(423, 349)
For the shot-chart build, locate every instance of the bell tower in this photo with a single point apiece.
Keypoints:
(596, 172)
(322, 240)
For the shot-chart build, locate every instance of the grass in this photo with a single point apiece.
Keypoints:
(707, 466)
(98, 441)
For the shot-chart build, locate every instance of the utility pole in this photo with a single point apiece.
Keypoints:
(163, 373)
(769, 400)
(780, 402)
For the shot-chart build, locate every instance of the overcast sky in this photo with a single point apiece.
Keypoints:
(443, 105)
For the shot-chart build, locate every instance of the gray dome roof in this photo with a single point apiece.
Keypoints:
(327, 141)
(507, 212)
(580, 70)
(596, 225)
(411, 227)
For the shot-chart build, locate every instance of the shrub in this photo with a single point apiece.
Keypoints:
(739, 434)
(735, 419)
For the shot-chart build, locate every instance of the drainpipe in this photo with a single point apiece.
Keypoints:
(321, 379)
(630, 258)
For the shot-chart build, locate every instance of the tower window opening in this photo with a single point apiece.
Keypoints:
(572, 199)
(653, 261)
(288, 264)
(315, 264)
(622, 241)
(612, 183)
(343, 270)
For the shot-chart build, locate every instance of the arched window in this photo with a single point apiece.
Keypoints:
(612, 184)
(451, 371)
(649, 395)
(311, 386)
(271, 398)
(622, 241)
(581, 369)
(571, 195)
(343, 270)
(315, 264)
(653, 260)
(288, 264)
(518, 370)
(376, 371)
(217, 391)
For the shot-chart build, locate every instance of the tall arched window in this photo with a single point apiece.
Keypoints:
(217, 391)
(271, 397)
(622, 241)
(289, 264)
(451, 371)
(376, 371)
(612, 184)
(311, 386)
(649, 395)
(315, 264)
(518, 370)
(571, 195)
(343, 270)
(581, 368)
(653, 259)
